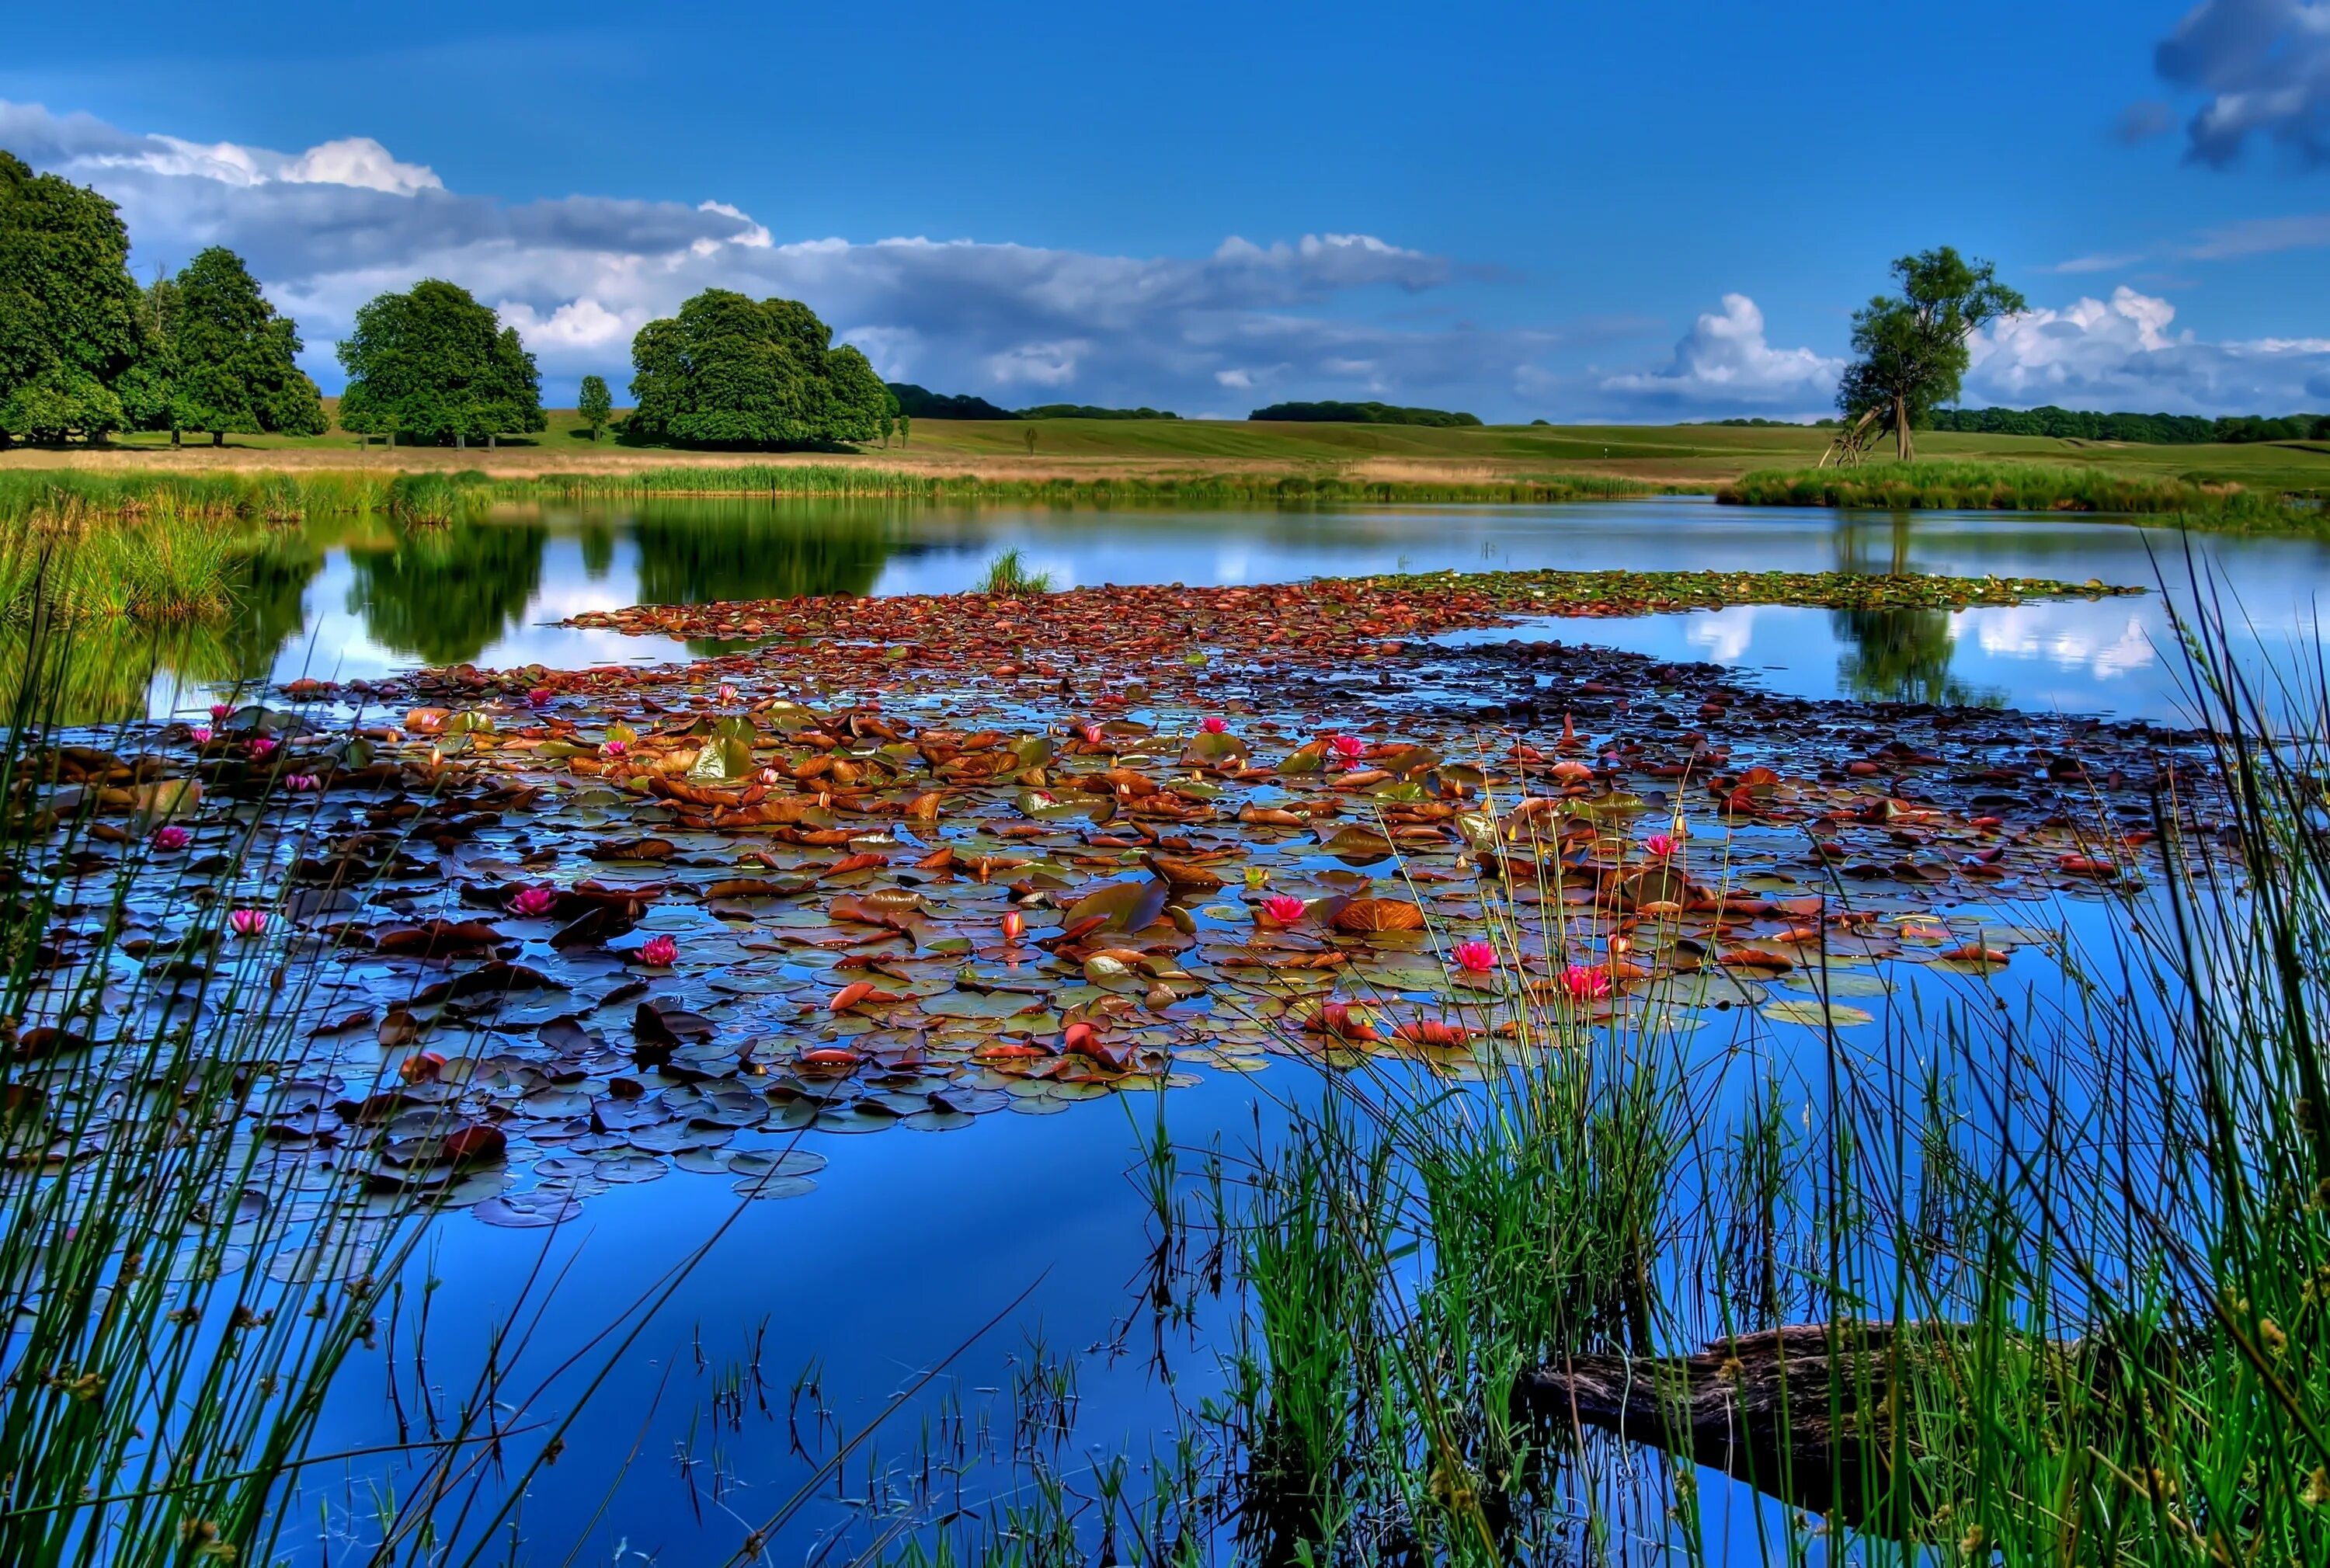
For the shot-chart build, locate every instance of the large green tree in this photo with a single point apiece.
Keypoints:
(68, 309)
(1911, 348)
(736, 371)
(433, 365)
(232, 357)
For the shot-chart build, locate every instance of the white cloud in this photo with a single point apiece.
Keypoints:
(1724, 363)
(329, 228)
(2125, 352)
(2264, 68)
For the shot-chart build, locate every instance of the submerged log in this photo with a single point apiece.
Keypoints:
(1809, 1412)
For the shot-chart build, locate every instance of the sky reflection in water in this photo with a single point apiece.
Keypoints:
(349, 601)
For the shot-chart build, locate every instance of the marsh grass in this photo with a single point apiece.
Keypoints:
(1007, 576)
(157, 1386)
(2088, 1229)
(166, 566)
(2020, 487)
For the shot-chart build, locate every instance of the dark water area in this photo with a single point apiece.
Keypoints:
(346, 598)
(796, 1323)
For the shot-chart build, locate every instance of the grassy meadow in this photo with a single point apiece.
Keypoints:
(1686, 457)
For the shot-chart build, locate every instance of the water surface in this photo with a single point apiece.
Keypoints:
(358, 600)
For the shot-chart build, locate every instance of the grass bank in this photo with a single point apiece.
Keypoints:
(436, 496)
(2021, 488)
(1699, 457)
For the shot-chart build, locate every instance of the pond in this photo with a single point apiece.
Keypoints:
(801, 1320)
(345, 602)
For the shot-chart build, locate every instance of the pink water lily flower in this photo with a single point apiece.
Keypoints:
(613, 748)
(170, 837)
(1285, 908)
(531, 902)
(727, 694)
(200, 734)
(660, 951)
(1093, 735)
(247, 922)
(1586, 983)
(220, 711)
(260, 745)
(540, 697)
(1474, 957)
(1662, 845)
(1347, 748)
(302, 782)
(1214, 724)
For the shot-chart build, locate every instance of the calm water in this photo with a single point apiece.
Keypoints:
(348, 601)
(911, 1241)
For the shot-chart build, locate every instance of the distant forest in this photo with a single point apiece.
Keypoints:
(921, 403)
(2148, 429)
(1368, 413)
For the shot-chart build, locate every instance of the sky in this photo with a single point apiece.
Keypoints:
(1582, 211)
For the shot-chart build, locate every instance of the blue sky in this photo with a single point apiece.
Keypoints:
(1628, 212)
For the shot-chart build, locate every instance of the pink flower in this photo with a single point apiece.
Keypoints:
(302, 782)
(220, 711)
(200, 734)
(727, 693)
(770, 776)
(1661, 845)
(540, 697)
(660, 952)
(248, 922)
(1285, 908)
(1586, 983)
(173, 837)
(532, 902)
(260, 745)
(1474, 957)
(1092, 734)
(613, 748)
(1214, 724)
(1347, 749)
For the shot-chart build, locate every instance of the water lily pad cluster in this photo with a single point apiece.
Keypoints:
(550, 932)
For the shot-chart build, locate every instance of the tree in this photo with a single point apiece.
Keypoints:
(435, 365)
(69, 308)
(730, 371)
(594, 404)
(1911, 349)
(233, 359)
(146, 388)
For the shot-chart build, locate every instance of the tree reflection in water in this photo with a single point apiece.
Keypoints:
(443, 595)
(697, 553)
(1895, 656)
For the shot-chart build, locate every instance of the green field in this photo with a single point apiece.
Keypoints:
(1687, 456)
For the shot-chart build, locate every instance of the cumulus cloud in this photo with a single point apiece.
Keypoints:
(2264, 68)
(328, 228)
(1724, 363)
(2125, 353)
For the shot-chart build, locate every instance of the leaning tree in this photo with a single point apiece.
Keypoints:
(1910, 350)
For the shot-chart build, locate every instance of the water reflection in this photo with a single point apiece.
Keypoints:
(493, 590)
(1895, 656)
(696, 554)
(443, 595)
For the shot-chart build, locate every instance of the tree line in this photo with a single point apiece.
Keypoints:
(1366, 413)
(922, 403)
(2144, 430)
(86, 352)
